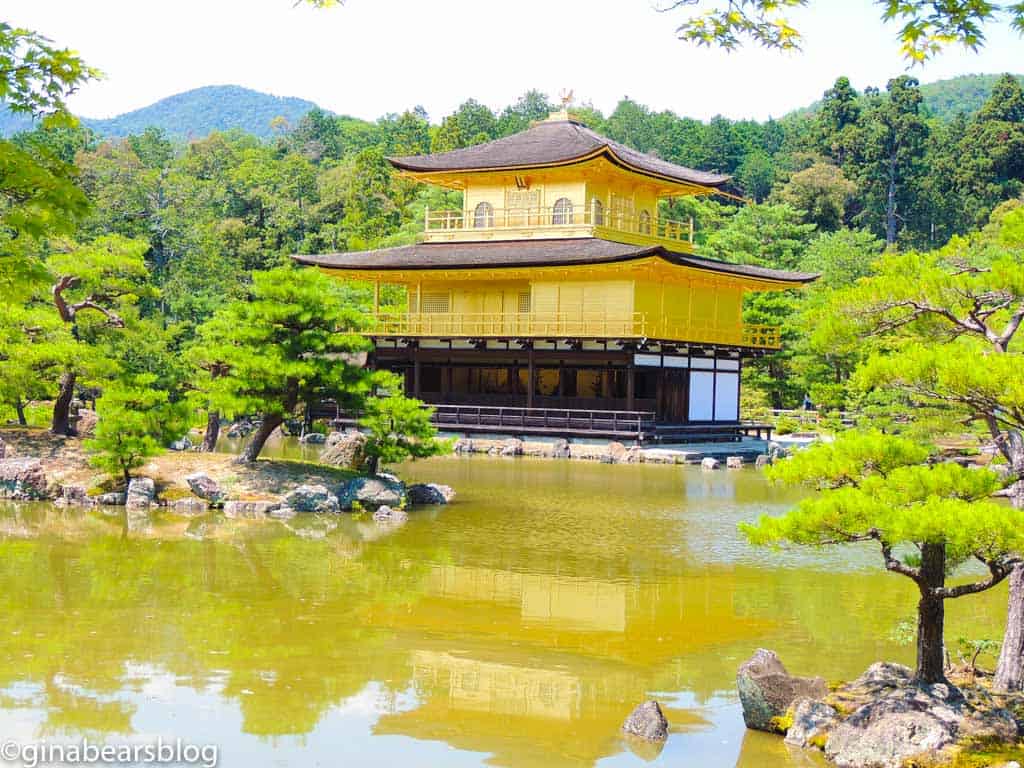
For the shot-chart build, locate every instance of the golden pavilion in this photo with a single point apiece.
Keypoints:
(559, 300)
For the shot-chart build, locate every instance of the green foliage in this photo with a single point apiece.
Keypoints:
(926, 28)
(293, 341)
(398, 428)
(875, 486)
(136, 421)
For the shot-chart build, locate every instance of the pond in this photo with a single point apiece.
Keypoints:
(516, 627)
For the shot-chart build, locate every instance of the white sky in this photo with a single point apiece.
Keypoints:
(370, 57)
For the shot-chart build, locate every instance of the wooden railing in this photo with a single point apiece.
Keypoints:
(553, 219)
(588, 325)
(555, 421)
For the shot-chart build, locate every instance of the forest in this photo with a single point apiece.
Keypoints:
(185, 226)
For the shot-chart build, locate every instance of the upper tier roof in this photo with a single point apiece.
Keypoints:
(552, 142)
(533, 253)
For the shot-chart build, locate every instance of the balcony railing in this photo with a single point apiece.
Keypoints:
(637, 325)
(554, 221)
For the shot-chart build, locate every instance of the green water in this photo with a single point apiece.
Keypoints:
(516, 627)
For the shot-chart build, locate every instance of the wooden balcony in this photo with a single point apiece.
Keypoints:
(637, 325)
(554, 222)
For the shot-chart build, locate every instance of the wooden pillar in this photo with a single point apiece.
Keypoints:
(416, 372)
(630, 386)
(376, 297)
(531, 378)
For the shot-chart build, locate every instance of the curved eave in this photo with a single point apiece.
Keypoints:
(410, 168)
(757, 278)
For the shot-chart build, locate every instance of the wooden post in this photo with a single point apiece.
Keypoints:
(416, 372)
(630, 385)
(531, 377)
(376, 298)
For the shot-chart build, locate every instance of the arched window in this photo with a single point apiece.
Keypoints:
(562, 212)
(597, 211)
(483, 216)
(645, 223)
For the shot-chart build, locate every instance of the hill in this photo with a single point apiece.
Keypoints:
(947, 98)
(192, 114)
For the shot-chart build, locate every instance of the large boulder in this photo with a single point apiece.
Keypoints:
(560, 449)
(894, 719)
(141, 492)
(371, 492)
(811, 720)
(189, 506)
(112, 499)
(647, 721)
(313, 438)
(22, 479)
(205, 487)
(767, 690)
(346, 450)
(709, 463)
(734, 462)
(430, 493)
(249, 510)
(311, 498)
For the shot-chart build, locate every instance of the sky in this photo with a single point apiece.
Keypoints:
(367, 58)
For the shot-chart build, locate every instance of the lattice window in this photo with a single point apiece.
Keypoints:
(562, 211)
(483, 216)
(436, 302)
(524, 302)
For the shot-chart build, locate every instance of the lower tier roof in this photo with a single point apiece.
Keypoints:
(533, 253)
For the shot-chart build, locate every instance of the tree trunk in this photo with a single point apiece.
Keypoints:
(19, 408)
(61, 424)
(372, 464)
(931, 616)
(890, 204)
(1010, 669)
(212, 431)
(251, 452)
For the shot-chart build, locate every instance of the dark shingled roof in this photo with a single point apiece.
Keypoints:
(552, 143)
(532, 253)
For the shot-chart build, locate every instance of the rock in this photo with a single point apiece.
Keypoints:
(776, 451)
(205, 487)
(346, 450)
(73, 494)
(615, 450)
(463, 445)
(560, 449)
(141, 492)
(4, 450)
(181, 444)
(708, 463)
(22, 479)
(371, 492)
(313, 438)
(188, 506)
(762, 461)
(85, 422)
(311, 498)
(386, 514)
(734, 462)
(282, 513)
(240, 429)
(112, 499)
(894, 720)
(635, 455)
(810, 719)
(249, 510)
(511, 447)
(430, 493)
(766, 690)
(647, 722)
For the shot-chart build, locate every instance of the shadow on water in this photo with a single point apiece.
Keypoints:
(517, 627)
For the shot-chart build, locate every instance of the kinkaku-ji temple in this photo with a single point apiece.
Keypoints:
(559, 301)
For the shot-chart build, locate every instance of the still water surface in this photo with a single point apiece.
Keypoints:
(516, 627)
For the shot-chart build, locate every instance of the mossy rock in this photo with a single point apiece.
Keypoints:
(176, 493)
